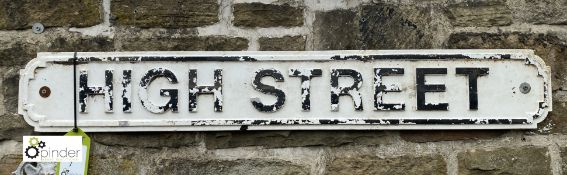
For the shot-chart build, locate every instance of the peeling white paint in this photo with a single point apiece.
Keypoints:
(240, 92)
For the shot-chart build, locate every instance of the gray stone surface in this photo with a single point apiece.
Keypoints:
(266, 15)
(278, 139)
(281, 44)
(556, 121)
(365, 164)
(165, 13)
(336, 30)
(113, 165)
(521, 160)
(480, 13)
(13, 127)
(552, 12)
(221, 167)
(15, 53)
(147, 139)
(18, 51)
(563, 154)
(450, 135)
(9, 81)
(378, 26)
(190, 43)
(67, 13)
(396, 27)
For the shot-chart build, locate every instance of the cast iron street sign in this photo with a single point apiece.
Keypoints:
(381, 89)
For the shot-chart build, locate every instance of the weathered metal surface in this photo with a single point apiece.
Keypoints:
(384, 89)
(37, 28)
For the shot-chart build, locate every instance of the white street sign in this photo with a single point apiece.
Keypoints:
(304, 90)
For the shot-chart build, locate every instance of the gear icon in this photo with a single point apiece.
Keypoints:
(41, 144)
(28, 152)
(33, 141)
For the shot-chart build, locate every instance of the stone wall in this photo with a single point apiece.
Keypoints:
(165, 25)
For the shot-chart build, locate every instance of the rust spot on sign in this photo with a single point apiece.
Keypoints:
(44, 91)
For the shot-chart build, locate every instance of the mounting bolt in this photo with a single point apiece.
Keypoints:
(44, 91)
(525, 88)
(37, 28)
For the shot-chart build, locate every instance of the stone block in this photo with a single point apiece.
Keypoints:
(278, 139)
(449, 135)
(66, 13)
(522, 160)
(20, 51)
(365, 164)
(480, 13)
(377, 26)
(385, 26)
(553, 12)
(165, 13)
(290, 43)
(225, 167)
(13, 127)
(190, 43)
(147, 139)
(267, 15)
(113, 165)
(336, 30)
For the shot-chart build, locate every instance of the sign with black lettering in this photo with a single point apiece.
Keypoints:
(329, 90)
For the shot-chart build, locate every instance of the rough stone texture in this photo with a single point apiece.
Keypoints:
(147, 140)
(556, 120)
(212, 43)
(278, 139)
(220, 167)
(267, 15)
(283, 43)
(51, 13)
(395, 27)
(523, 160)
(547, 46)
(13, 127)
(89, 44)
(540, 11)
(336, 30)
(8, 163)
(480, 13)
(17, 53)
(563, 154)
(9, 81)
(436, 136)
(21, 51)
(379, 26)
(165, 13)
(365, 164)
(116, 159)
(112, 165)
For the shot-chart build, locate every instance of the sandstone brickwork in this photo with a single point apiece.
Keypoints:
(298, 25)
